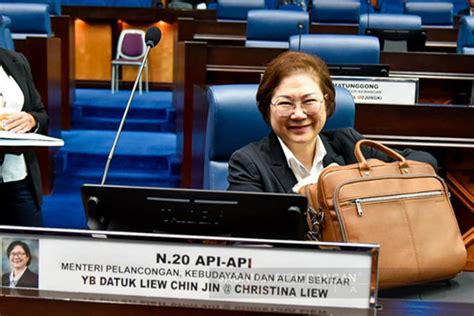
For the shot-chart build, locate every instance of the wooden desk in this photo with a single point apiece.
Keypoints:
(146, 15)
(63, 28)
(234, 33)
(29, 302)
(43, 55)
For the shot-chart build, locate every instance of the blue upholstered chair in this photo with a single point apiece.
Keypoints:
(130, 3)
(294, 5)
(397, 6)
(98, 3)
(54, 6)
(273, 28)
(27, 19)
(180, 4)
(336, 11)
(234, 121)
(237, 9)
(433, 13)
(6, 40)
(389, 21)
(339, 48)
(271, 4)
(3, 41)
(466, 35)
(110, 3)
(402, 28)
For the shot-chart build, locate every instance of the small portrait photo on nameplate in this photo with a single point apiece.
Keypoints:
(20, 263)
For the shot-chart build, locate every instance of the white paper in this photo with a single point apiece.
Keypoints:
(28, 139)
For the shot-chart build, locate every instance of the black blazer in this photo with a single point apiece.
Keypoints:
(17, 66)
(28, 279)
(262, 166)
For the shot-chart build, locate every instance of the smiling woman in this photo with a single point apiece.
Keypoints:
(19, 257)
(296, 96)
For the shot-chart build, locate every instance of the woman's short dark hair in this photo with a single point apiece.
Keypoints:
(287, 64)
(23, 245)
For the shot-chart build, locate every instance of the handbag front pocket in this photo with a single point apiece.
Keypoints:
(390, 198)
(366, 214)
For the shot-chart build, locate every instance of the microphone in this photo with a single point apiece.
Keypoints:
(152, 38)
(300, 27)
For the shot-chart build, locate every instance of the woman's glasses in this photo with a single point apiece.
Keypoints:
(17, 254)
(286, 106)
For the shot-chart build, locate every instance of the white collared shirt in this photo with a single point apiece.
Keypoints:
(302, 175)
(14, 166)
(14, 278)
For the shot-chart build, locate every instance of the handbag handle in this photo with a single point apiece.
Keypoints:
(364, 165)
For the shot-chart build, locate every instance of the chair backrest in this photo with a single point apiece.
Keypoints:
(129, 3)
(95, 3)
(180, 4)
(237, 9)
(131, 44)
(110, 3)
(235, 121)
(293, 5)
(397, 6)
(339, 48)
(54, 6)
(6, 40)
(273, 28)
(271, 4)
(335, 11)
(3, 40)
(465, 43)
(437, 13)
(27, 19)
(389, 21)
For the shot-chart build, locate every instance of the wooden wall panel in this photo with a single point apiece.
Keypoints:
(93, 50)
(94, 46)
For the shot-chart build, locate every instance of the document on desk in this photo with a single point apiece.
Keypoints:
(9, 139)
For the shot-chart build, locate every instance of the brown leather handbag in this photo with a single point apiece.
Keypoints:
(403, 206)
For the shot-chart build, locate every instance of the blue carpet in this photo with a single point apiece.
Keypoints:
(145, 155)
(99, 109)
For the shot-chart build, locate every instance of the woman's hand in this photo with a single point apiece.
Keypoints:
(21, 123)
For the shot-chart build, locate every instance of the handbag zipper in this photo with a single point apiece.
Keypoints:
(358, 202)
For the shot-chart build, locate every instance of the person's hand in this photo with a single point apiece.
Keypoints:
(21, 122)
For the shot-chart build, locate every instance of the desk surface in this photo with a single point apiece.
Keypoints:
(455, 297)
(458, 290)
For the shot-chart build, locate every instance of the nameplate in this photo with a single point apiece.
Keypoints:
(186, 267)
(380, 90)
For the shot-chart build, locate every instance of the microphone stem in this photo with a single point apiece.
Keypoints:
(300, 27)
(368, 12)
(122, 121)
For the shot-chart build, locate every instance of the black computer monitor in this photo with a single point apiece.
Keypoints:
(402, 40)
(362, 70)
(195, 212)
